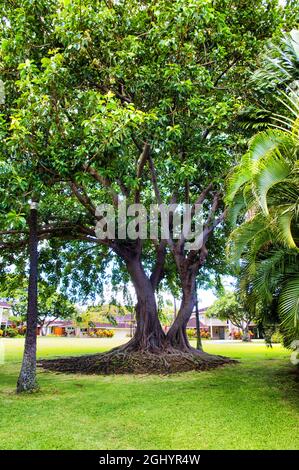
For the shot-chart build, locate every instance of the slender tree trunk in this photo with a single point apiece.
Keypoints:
(149, 335)
(246, 335)
(198, 337)
(41, 326)
(27, 379)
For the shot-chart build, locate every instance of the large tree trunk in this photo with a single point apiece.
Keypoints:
(149, 335)
(177, 337)
(149, 351)
(27, 378)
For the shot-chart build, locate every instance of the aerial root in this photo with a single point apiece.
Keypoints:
(120, 361)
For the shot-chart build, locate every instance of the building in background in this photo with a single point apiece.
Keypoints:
(124, 326)
(219, 329)
(5, 312)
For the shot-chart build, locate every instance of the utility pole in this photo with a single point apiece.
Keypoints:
(198, 337)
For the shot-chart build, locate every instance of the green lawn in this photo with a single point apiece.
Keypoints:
(253, 405)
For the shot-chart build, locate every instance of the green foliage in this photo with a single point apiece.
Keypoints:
(102, 313)
(86, 85)
(277, 74)
(11, 332)
(51, 303)
(279, 63)
(264, 189)
(192, 334)
(276, 338)
(228, 307)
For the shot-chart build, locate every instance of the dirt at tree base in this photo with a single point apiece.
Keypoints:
(139, 362)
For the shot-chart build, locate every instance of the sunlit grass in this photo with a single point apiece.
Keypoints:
(252, 405)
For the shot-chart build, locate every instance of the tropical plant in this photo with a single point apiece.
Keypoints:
(280, 63)
(278, 73)
(276, 337)
(266, 187)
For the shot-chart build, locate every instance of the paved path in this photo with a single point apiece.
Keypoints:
(231, 341)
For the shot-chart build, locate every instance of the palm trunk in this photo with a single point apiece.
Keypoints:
(27, 379)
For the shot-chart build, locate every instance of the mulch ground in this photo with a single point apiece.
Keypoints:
(121, 362)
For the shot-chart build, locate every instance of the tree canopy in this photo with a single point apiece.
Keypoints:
(103, 106)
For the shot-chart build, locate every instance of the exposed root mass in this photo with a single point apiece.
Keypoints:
(137, 362)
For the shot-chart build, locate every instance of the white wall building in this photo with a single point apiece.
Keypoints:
(5, 311)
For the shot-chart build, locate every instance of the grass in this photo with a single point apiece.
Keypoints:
(252, 405)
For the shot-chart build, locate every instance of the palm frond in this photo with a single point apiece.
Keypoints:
(243, 235)
(288, 306)
(265, 187)
(271, 170)
(266, 142)
(284, 222)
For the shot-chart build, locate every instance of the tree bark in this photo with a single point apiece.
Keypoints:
(177, 337)
(149, 335)
(246, 335)
(27, 379)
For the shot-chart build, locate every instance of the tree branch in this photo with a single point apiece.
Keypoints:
(142, 159)
(210, 229)
(154, 180)
(103, 181)
(140, 166)
(214, 207)
(158, 271)
(226, 70)
(83, 197)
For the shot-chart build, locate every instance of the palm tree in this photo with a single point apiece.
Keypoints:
(278, 74)
(279, 63)
(265, 189)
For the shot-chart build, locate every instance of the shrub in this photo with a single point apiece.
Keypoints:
(237, 334)
(276, 337)
(191, 333)
(104, 333)
(205, 334)
(11, 332)
(22, 330)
